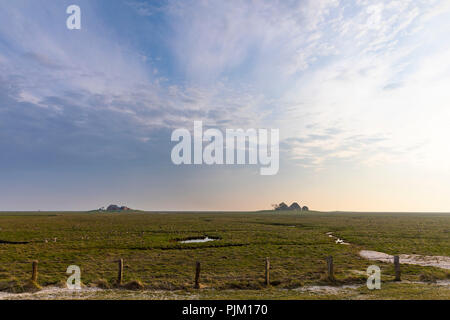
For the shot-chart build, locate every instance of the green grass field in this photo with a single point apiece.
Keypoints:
(296, 244)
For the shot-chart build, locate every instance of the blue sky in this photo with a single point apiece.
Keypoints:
(358, 89)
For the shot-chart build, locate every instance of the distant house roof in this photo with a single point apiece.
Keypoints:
(295, 206)
(282, 206)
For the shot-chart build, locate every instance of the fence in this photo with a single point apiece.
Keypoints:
(330, 271)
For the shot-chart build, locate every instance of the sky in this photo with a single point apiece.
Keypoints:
(359, 89)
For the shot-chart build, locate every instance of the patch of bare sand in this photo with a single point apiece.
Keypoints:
(55, 293)
(425, 261)
(328, 289)
(51, 293)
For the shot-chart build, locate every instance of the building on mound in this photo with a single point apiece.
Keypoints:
(293, 207)
(114, 208)
(281, 207)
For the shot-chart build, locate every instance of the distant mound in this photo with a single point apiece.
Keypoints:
(115, 208)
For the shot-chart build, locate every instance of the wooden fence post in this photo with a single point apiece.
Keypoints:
(197, 276)
(330, 268)
(34, 275)
(120, 276)
(397, 268)
(267, 272)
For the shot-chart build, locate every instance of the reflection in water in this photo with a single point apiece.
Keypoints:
(206, 239)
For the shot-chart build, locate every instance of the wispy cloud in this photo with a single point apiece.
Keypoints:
(304, 66)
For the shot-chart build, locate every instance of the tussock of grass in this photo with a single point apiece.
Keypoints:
(133, 285)
(169, 286)
(32, 286)
(102, 284)
(245, 285)
(338, 281)
(427, 277)
(16, 286)
(293, 284)
(11, 286)
(61, 284)
(326, 280)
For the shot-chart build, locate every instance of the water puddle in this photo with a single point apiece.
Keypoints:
(442, 262)
(424, 261)
(13, 242)
(337, 240)
(199, 240)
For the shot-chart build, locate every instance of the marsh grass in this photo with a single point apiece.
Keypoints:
(297, 245)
